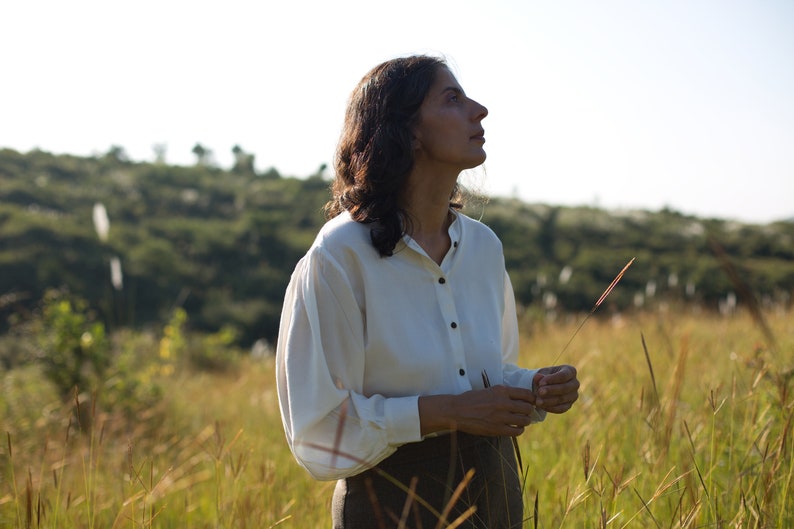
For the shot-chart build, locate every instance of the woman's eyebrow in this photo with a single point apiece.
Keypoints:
(455, 89)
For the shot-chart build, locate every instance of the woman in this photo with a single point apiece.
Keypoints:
(398, 342)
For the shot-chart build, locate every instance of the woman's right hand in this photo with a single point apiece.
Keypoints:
(493, 411)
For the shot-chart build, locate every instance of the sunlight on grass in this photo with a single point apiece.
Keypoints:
(692, 430)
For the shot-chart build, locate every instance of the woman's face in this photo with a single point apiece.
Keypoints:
(449, 134)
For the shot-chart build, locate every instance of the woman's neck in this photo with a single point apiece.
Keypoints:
(427, 206)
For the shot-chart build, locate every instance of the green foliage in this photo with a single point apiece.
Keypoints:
(74, 350)
(222, 244)
(122, 374)
(185, 236)
(135, 383)
(215, 352)
(173, 342)
(675, 259)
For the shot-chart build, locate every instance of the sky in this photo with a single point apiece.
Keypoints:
(618, 104)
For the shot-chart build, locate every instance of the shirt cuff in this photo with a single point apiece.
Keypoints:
(402, 420)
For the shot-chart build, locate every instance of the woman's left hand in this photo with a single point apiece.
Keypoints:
(556, 388)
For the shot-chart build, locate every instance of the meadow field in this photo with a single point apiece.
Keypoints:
(684, 420)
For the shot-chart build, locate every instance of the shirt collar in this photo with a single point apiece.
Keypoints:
(455, 231)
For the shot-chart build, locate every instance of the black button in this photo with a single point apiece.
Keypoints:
(441, 280)
(454, 325)
(455, 244)
(462, 372)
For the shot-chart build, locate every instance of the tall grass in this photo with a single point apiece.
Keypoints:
(709, 447)
(683, 421)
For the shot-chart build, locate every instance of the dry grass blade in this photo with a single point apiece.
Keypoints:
(408, 489)
(694, 461)
(598, 303)
(462, 518)
(614, 283)
(281, 521)
(391, 479)
(535, 511)
(665, 485)
(650, 368)
(340, 428)
(647, 508)
(409, 501)
(453, 500)
(29, 501)
(487, 383)
(744, 291)
(586, 460)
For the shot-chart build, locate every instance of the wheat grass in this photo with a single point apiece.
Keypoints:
(598, 303)
(717, 454)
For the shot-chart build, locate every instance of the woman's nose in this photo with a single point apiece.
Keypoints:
(480, 111)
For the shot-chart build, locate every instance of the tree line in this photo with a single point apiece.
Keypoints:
(137, 240)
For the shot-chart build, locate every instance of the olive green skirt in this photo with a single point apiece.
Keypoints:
(433, 469)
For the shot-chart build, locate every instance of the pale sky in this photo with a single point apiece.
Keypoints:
(619, 104)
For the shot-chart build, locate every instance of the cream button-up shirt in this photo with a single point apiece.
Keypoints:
(362, 337)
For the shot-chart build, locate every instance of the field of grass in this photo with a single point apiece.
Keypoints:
(684, 420)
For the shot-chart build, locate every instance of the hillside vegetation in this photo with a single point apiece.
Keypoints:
(221, 244)
(130, 291)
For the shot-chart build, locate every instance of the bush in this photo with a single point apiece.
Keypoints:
(73, 348)
(135, 380)
(215, 352)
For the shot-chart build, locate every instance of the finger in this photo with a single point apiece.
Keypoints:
(522, 409)
(521, 419)
(560, 374)
(560, 408)
(511, 403)
(568, 388)
(512, 431)
(551, 402)
(520, 394)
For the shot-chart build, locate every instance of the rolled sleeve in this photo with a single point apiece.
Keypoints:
(401, 420)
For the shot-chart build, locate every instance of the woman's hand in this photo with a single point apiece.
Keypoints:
(556, 388)
(498, 410)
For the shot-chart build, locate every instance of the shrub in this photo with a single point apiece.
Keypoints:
(73, 348)
(215, 352)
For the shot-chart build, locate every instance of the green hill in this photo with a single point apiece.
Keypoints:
(222, 244)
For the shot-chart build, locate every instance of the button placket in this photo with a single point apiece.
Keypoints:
(449, 310)
(449, 314)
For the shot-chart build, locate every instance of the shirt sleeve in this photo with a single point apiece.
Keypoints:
(512, 375)
(333, 429)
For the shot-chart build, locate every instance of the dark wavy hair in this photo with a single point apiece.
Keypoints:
(375, 153)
